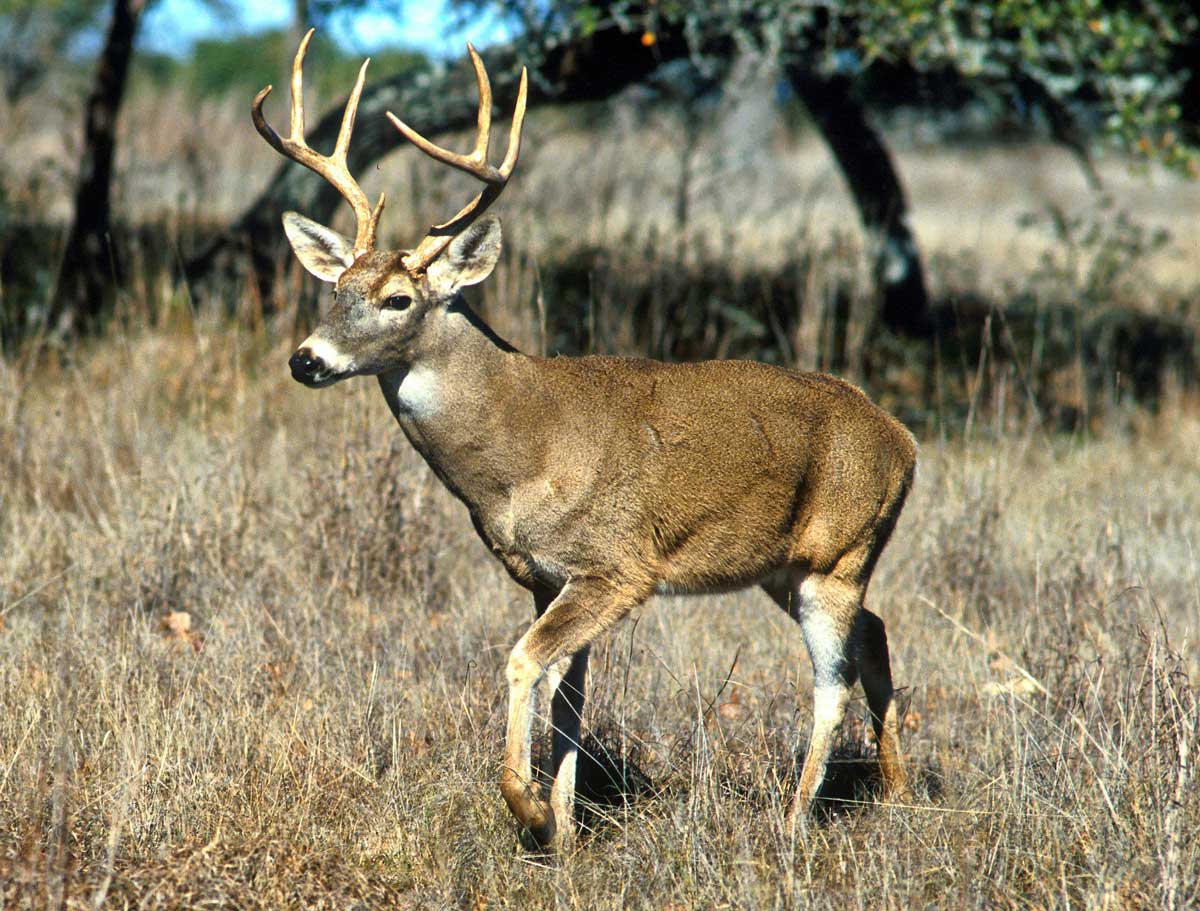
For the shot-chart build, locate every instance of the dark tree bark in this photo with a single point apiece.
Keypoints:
(89, 270)
(867, 166)
(587, 69)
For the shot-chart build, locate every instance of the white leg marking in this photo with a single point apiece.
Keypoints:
(826, 646)
(523, 679)
(829, 705)
(554, 675)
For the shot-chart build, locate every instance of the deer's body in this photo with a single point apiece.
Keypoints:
(601, 481)
(688, 478)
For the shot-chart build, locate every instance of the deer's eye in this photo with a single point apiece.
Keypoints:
(397, 302)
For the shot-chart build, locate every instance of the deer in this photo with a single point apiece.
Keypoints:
(600, 481)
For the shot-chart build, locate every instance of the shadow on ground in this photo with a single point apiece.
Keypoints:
(612, 778)
(853, 782)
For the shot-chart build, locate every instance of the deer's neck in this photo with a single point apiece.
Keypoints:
(455, 405)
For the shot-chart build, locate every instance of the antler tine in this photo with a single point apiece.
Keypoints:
(483, 131)
(332, 167)
(514, 132)
(475, 164)
(297, 112)
(348, 117)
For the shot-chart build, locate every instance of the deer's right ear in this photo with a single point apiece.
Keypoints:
(324, 253)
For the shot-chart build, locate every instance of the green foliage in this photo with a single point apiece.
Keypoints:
(155, 69)
(1118, 61)
(241, 64)
(319, 12)
(1115, 57)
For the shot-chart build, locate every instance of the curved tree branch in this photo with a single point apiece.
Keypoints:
(1064, 126)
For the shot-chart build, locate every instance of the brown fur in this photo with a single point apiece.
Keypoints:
(598, 481)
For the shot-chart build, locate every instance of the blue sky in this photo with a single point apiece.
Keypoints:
(173, 25)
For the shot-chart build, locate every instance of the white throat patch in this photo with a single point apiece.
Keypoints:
(419, 393)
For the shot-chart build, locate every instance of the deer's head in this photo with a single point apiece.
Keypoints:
(386, 305)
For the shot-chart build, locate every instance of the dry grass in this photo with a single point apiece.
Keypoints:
(251, 653)
(328, 731)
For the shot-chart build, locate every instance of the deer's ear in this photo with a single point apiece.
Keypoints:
(469, 259)
(324, 253)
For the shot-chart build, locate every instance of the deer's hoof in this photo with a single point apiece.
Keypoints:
(543, 832)
(535, 816)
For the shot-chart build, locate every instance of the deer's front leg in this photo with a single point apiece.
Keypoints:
(566, 718)
(583, 610)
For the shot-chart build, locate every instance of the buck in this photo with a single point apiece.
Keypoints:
(601, 481)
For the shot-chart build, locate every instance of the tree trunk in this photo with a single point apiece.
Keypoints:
(587, 69)
(89, 270)
(864, 161)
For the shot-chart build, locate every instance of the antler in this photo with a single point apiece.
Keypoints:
(332, 167)
(475, 163)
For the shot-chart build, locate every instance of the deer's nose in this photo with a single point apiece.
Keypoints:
(304, 365)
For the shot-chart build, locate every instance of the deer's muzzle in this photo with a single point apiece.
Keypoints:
(306, 367)
(311, 369)
(319, 363)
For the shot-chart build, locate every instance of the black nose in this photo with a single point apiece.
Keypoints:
(304, 365)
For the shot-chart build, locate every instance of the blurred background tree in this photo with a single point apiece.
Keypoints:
(1084, 66)
(89, 269)
(1125, 67)
(36, 36)
(1078, 66)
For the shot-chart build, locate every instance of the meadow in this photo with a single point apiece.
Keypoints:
(252, 654)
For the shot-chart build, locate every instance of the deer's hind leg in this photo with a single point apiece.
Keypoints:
(846, 642)
(876, 671)
(568, 689)
(827, 609)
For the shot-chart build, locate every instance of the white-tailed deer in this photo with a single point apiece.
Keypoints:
(599, 481)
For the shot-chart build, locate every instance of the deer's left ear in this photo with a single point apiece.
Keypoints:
(469, 259)
(322, 251)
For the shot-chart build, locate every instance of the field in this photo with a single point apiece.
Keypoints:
(251, 653)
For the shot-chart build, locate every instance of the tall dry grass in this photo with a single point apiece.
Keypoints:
(327, 733)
